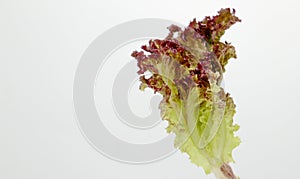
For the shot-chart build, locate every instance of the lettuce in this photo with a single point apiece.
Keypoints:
(186, 69)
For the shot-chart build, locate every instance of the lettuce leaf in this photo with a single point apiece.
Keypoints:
(186, 69)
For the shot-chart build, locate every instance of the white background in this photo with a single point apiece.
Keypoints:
(41, 42)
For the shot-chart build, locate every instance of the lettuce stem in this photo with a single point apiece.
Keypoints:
(224, 172)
